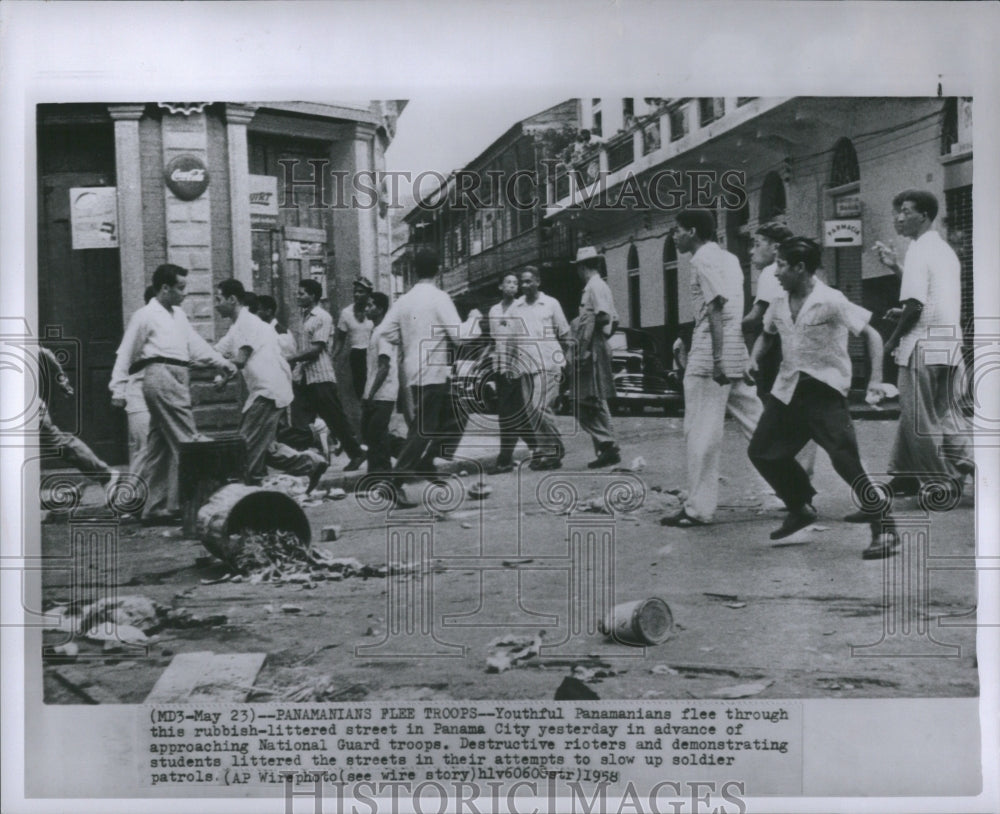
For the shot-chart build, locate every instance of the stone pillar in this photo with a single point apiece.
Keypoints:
(237, 119)
(128, 179)
(189, 230)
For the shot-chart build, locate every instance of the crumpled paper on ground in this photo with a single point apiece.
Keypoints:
(511, 650)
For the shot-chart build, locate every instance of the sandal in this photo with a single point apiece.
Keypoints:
(682, 520)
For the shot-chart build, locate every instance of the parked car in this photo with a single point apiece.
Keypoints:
(640, 377)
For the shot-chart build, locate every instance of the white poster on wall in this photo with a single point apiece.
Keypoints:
(94, 217)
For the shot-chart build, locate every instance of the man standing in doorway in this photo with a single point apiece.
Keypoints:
(320, 390)
(160, 341)
(255, 349)
(504, 331)
(425, 325)
(809, 396)
(541, 352)
(593, 382)
(926, 345)
(713, 379)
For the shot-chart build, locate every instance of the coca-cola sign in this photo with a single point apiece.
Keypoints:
(187, 177)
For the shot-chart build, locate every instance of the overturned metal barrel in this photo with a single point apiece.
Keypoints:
(204, 466)
(644, 621)
(237, 508)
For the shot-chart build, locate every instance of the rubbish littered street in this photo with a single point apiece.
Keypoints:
(493, 608)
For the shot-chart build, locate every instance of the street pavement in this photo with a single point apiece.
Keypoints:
(802, 618)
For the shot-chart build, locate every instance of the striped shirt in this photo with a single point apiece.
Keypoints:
(715, 273)
(317, 326)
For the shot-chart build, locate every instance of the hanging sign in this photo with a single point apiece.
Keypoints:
(94, 217)
(186, 176)
(848, 206)
(263, 199)
(840, 233)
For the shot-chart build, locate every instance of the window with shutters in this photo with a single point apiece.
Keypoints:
(634, 294)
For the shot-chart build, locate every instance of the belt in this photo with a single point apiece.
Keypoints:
(156, 360)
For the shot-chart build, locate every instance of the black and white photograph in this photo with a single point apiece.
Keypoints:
(386, 442)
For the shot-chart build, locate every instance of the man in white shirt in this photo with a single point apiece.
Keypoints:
(268, 311)
(713, 378)
(504, 330)
(253, 345)
(160, 341)
(353, 331)
(593, 383)
(932, 437)
(379, 399)
(809, 395)
(541, 353)
(424, 324)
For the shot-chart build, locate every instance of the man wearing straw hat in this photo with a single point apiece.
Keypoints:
(593, 383)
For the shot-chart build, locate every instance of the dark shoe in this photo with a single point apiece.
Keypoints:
(355, 463)
(904, 486)
(609, 456)
(796, 520)
(861, 516)
(401, 501)
(682, 520)
(316, 474)
(883, 545)
(503, 466)
(548, 462)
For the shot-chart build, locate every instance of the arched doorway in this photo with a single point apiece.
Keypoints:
(772, 198)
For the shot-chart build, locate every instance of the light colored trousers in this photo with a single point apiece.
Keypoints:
(171, 423)
(595, 419)
(259, 428)
(705, 406)
(539, 391)
(930, 418)
(138, 450)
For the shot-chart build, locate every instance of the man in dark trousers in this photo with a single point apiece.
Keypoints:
(320, 390)
(809, 395)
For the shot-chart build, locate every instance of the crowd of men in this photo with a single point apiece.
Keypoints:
(792, 344)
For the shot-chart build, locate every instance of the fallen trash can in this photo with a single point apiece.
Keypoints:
(204, 466)
(642, 622)
(237, 508)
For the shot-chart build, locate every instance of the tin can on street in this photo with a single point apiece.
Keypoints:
(641, 622)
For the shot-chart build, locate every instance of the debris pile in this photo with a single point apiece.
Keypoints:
(511, 651)
(281, 556)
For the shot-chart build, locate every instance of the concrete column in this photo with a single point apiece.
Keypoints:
(237, 119)
(189, 232)
(128, 179)
(367, 226)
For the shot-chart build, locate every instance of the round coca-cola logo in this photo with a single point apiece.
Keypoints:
(186, 177)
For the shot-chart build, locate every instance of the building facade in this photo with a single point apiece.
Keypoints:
(261, 192)
(826, 167)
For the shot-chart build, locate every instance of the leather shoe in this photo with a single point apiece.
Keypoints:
(795, 520)
(548, 462)
(316, 474)
(609, 456)
(355, 463)
(883, 545)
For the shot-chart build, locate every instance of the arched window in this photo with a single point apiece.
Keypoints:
(634, 295)
(845, 164)
(772, 198)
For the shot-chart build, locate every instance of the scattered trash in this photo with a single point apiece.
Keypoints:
(515, 563)
(637, 465)
(665, 549)
(70, 649)
(309, 502)
(742, 690)
(817, 527)
(480, 491)
(664, 670)
(572, 689)
(291, 609)
(289, 484)
(724, 597)
(508, 651)
(466, 525)
(323, 688)
(736, 605)
(331, 533)
(117, 635)
(336, 493)
(269, 609)
(642, 622)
